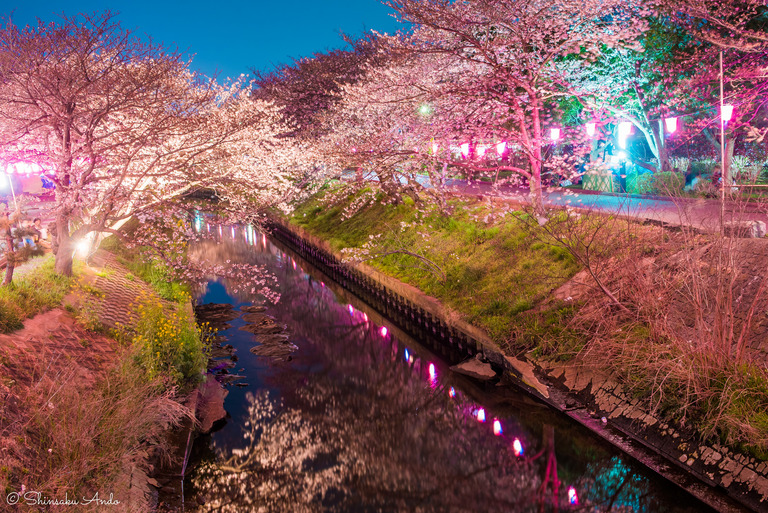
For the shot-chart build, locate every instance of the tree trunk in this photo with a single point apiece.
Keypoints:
(66, 247)
(10, 259)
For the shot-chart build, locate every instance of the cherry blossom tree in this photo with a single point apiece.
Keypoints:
(500, 61)
(122, 125)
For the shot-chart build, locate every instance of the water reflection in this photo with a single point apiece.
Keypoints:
(360, 421)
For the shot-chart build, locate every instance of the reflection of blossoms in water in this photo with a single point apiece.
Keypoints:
(332, 453)
(287, 464)
(241, 266)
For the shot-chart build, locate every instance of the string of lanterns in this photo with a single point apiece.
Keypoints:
(624, 129)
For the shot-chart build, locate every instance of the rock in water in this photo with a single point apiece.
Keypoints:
(476, 369)
(211, 405)
(216, 312)
(274, 350)
(253, 309)
(275, 338)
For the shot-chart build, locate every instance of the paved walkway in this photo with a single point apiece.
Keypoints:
(697, 212)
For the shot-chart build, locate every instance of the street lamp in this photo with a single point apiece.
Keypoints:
(671, 124)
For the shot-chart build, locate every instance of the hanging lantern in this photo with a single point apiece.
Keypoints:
(671, 124)
(465, 149)
(554, 134)
(726, 113)
(591, 127)
(501, 147)
(497, 427)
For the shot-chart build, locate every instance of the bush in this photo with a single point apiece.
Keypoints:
(168, 346)
(666, 183)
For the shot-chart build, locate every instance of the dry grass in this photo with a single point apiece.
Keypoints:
(681, 317)
(63, 438)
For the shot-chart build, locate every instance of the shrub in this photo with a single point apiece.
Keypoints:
(167, 345)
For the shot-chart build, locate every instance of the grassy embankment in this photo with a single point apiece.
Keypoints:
(75, 437)
(498, 269)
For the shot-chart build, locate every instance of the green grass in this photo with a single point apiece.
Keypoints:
(495, 272)
(32, 292)
(149, 269)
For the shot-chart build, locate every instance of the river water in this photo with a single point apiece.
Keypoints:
(362, 418)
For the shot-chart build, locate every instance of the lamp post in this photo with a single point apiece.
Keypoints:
(10, 184)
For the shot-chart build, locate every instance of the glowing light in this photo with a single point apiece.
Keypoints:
(481, 149)
(83, 247)
(354, 150)
(671, 125)
(625, 128)
(481, 415)
(451, 393)
(554, 134)
(465, 149)
(573, 499)
(351, 309)
(501, 147)
(220, 232)
(294, 265)
(407, 354)
(727, 112)
(410, 359)
(365, 317)
(497, 427)
(591, 127)
(432, 372)
(517, 447)
(3, 180)
(425, 109)
(26, 168)
(233, 232)
(383, 331)
(434, 147)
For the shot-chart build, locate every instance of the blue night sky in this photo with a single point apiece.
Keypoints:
(226, 35)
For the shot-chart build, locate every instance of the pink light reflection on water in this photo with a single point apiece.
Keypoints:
(573, 499)
(517, 447)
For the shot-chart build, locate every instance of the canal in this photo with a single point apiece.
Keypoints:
(354, 416)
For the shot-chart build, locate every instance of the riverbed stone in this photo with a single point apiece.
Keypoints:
(273, 338)
(253, 308)
(274, 350)
(476, 369)
(211, 404)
